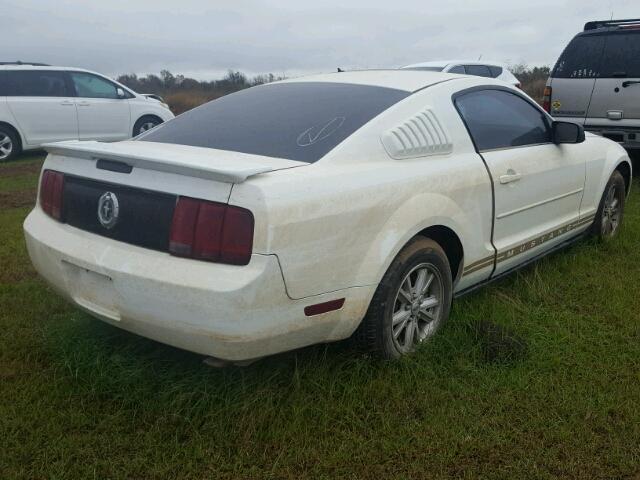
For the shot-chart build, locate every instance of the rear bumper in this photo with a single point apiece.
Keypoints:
(628, 137)
(229, 312)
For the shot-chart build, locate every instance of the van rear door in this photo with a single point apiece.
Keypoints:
(616, 96)
(574, 77)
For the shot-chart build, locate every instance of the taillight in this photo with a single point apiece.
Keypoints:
(51, 189)
(546, 99)
(211, 231)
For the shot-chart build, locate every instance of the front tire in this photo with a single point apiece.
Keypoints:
(9, 144)
(145, 123)
(411, 303)
(611, 209)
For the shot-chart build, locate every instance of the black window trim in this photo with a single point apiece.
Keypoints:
(477, 88)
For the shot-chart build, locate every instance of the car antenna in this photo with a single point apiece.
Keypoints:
(340, 70)
(480, 57)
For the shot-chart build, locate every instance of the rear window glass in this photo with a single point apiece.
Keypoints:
(33, 83)
(297, 121)
(495, 71)
(478, 70)
(621, 55)
(581, 58)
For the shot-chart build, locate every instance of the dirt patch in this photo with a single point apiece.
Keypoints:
(19, 168)
(11, 276)
(499, 344)
(17, 199)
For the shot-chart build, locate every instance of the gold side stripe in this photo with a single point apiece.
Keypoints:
(479, 262)
(524, 247)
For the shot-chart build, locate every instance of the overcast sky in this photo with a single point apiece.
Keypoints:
(205, 38)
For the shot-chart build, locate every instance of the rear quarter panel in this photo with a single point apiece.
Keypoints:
(340, 222)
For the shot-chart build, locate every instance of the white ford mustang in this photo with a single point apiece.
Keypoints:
(306, 210)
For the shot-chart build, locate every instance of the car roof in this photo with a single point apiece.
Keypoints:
(42, 67)
(407, 80)
(445, 63)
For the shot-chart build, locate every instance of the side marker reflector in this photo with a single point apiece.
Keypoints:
(325, 307)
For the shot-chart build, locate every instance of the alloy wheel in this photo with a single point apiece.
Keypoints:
(146, 126)
(417, 309)
(6, 146)
(611, 212)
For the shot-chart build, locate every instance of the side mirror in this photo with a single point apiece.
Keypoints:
(121, 93)
(567, 132)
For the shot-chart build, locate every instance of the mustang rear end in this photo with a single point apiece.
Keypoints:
(150, 244)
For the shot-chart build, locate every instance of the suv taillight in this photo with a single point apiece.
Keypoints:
(546, 99)
(211, 231)
(51, 188)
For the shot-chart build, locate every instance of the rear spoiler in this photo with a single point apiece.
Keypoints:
(629, 22)
(207, 163)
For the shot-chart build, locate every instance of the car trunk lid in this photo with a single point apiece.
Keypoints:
(146, 180)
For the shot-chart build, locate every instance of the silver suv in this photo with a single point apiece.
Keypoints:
(596, 81)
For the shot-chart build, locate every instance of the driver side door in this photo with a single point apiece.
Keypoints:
(537, 184)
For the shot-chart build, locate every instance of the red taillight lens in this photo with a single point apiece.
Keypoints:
(211, 231)
(546, 99)
(51, 192)
(237, 236)
(183, 227)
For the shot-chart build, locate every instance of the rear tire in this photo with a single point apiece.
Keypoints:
(145, 123)
(411, 302)
(611, 209)
(9, 144)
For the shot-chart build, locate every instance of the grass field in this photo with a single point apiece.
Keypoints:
(555, 394)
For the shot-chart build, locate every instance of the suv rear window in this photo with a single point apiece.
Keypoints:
(621, 55)
(581, 58)
(297, 121)
(33, 83)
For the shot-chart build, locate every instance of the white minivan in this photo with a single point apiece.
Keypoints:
(40, 104)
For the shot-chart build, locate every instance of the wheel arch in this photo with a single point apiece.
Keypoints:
(16, 131)
(144, 116)
(450, 243)
(625, 170)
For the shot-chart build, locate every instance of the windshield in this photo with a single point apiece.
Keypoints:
(296, 121)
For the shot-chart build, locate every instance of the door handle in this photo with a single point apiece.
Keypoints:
(84, 104)
(628, 83)
(67, 103)
(511, 176)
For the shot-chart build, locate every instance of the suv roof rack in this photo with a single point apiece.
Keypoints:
(18, 62)
(612, 23)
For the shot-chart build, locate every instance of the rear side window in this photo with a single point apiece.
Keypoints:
(581, 58)
(495, 71)
(458, 69)
(500, 119)
(621, 55)
(296, 121)
(33, 83)
(478, 70)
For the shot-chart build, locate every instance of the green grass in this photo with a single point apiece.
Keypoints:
(81, 399)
